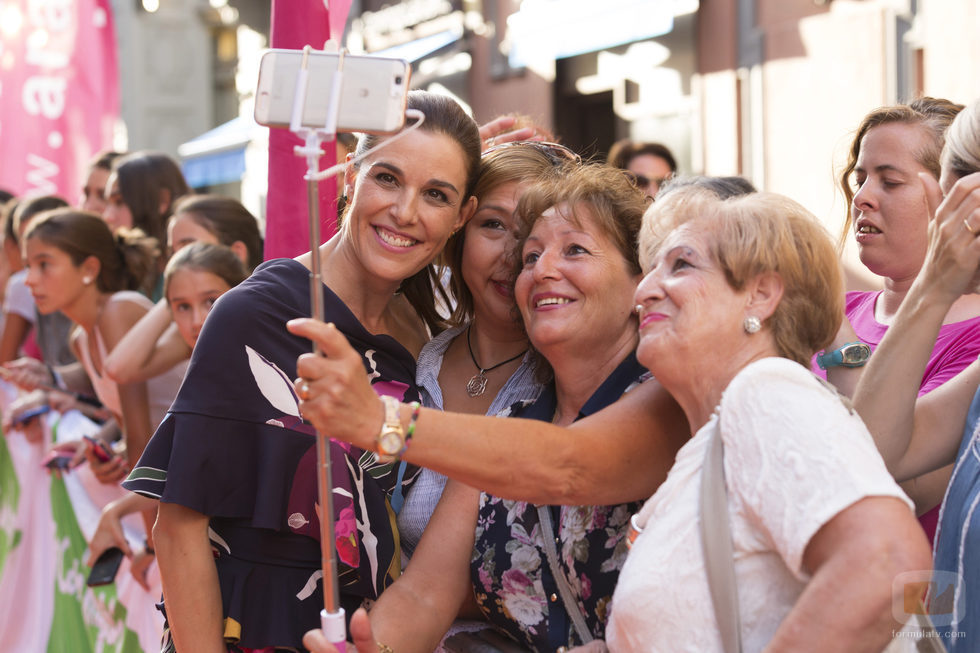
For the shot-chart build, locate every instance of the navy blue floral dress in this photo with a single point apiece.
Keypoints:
(234, 447)
(512, 580)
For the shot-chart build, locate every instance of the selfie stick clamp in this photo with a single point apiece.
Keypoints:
(332, 619)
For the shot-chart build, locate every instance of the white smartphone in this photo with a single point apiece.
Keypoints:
(372, 97)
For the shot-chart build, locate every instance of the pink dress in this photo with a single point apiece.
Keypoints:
(957, 345)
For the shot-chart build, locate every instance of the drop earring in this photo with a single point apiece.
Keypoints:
(751, 324)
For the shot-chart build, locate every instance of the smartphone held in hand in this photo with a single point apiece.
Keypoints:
(100, 449)
(372, 98)
(106, 567)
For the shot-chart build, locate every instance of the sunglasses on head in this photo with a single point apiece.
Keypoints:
(557, 153)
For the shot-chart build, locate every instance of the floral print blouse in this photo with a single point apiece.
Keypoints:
(511, 577)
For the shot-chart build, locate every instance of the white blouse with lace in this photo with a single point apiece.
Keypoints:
(794, 458)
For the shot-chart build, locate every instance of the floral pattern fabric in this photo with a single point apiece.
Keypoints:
(511, 578)
(234, 447)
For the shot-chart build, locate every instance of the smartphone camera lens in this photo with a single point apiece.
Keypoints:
(398, 79)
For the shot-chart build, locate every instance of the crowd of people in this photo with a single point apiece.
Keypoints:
(709, 444)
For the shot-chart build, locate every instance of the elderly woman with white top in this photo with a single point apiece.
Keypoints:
(740, 295)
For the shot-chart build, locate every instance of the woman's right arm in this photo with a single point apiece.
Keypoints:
(621, 453)
(914, 435)
(190, 579)
(150, 348)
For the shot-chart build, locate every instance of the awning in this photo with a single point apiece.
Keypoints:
(418, 49)
(217, 156)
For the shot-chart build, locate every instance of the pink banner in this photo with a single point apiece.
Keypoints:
(296, 23)
(59, 92)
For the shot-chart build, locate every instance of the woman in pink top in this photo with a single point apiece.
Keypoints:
(889, 218)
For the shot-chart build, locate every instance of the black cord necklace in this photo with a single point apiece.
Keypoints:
(478, 382)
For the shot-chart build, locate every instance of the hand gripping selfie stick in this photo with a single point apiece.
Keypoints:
(332, 619)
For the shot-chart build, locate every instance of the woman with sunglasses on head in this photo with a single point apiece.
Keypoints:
(481, 364)
(574, 291)
(234, 465)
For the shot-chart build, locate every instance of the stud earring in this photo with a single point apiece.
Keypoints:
(86, 280)
(638, 308)
(752, 324)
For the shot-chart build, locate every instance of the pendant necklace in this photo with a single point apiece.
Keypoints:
(478, 382)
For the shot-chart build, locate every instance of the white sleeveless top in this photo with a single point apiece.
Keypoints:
(160, 390)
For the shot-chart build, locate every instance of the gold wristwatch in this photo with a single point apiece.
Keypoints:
(390, 442)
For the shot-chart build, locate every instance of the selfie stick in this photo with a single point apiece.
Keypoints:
(332, 616)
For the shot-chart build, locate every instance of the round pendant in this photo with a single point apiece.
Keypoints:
(476, 385)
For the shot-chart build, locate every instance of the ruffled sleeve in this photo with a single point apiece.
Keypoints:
(235, 448)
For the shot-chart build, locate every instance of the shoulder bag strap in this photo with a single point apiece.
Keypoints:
(567, 597)
(716, 542)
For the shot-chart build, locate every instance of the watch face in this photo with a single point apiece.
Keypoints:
(390, 441)
(855, 354)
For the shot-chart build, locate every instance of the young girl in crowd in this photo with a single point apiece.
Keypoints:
(18, 308)
(141, 192)
(194, 279)
(154, 345)
(216, 219)
(234, 462)
(93, 196)
(76, 265)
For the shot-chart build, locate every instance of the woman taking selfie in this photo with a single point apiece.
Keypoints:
(234, 465)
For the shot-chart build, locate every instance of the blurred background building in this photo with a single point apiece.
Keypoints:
(769, 89)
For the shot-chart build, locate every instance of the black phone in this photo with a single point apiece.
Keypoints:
(57, 460)
(105, 568)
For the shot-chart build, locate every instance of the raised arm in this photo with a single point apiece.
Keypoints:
(150, 348)
(917, 436)
(118, 317)
(622, 453)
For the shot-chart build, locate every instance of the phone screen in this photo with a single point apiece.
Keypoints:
(105, 568)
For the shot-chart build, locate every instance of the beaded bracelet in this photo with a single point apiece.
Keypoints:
(410, 431)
